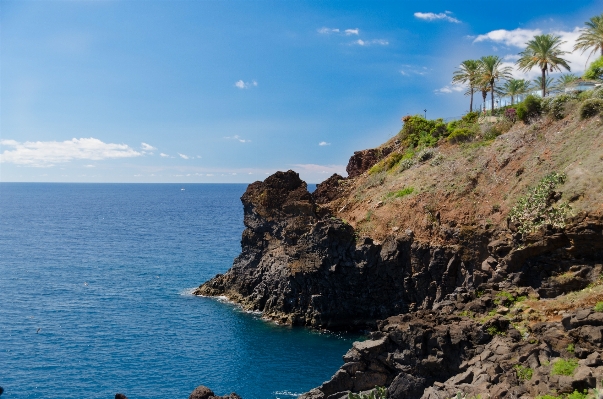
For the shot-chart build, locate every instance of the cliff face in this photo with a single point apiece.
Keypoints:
(424, 254)
(301, 266)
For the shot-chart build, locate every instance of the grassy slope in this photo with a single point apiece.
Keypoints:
(478, 183)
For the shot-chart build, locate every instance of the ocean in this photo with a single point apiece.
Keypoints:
(95, 298)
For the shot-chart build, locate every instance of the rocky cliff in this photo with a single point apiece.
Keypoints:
(459, 296)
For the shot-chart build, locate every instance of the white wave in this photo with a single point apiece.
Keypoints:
(280, 394)
(187, 291)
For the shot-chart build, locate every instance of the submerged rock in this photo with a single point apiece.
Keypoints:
(203, 392)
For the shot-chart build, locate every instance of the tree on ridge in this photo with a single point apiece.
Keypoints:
(544, 52)
(467, 73)
(514, 88)
(548, 84)
(492, 70)
(591, 37)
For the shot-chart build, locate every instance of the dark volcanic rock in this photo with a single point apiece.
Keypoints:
(435, 355)
(299, 266)
(120, 396)
(203, 392)
(362, 161)
(328, 190)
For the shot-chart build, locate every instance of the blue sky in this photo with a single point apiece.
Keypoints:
(231, 91)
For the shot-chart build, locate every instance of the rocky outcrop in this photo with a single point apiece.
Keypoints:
(435, 355)
(328, 190)
(362, 161)
(300, 266)
(203, 392)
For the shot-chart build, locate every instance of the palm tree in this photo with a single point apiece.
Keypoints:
(492, 69)
(564, 80)
(513, 88)
(484, 87)
(467, 73)
(591, 37)
(543, 51)
(548, 84)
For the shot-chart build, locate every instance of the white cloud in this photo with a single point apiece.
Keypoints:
(361, 42)
(246, 85)
(430, 16)
(326, 169)
(238, 138)
(410, 70)
(164, 155)
(323, 143)
(147, 147)
(325, 31)
(449, 89)
(349, 32)
(519, 37)
(183, 156)
(47, 153)
(89, 166)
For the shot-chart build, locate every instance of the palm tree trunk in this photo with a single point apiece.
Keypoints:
(471, 103)
(512, 98)
(543, 82)
(492, 95)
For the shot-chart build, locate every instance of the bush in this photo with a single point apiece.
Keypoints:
(555, 106)
(511, 114)
(564, 367)
(405, 164)
(590, 108)
(386, 164)
(595, 70)
(529, 109)
(535, 208)
(377, 393)
(401, 193)
(523, 373)
(598, 93)
(599, 307)
(425, 154)
(470, 117)
(460, 134)
(420, 132)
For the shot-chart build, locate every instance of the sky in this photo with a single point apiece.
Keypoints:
(232, 91)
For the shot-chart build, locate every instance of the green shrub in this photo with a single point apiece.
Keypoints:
(405, 164)
(564, 367)
(400, 193)
(420, 132)
(425, 154)
(598, 93)
(460, 135)
(452, 125)
(386, 164)
(599, 307)
(535, 208)
(529, 109)
(555, 106)
(524, 373)
(470, 117)
(493, 330)
(585, 95)
(571, 348)
(590, 108)
(595, 70)
(578, 395)
(377, 393)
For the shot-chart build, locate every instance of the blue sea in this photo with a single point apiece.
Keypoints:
(95, 298)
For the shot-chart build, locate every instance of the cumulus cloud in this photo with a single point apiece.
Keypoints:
(246, 85)
(380, 42)
(147, 147)
(323, 143)
(238, 138)
(164, 155)
(349, 32)
(183, 156)
(430, 16)
(47, 153)
(518, 38)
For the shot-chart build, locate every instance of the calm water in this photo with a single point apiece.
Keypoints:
(95, 284)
